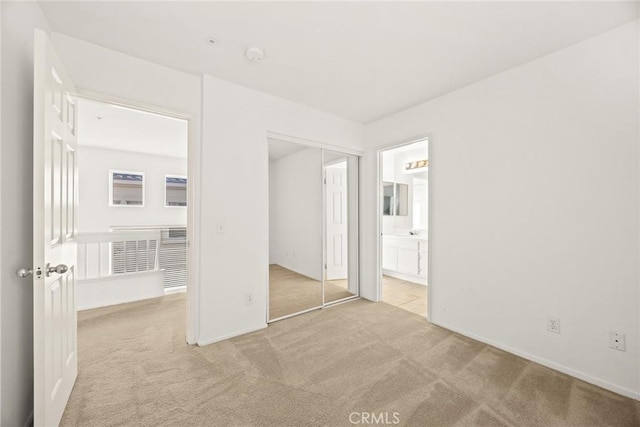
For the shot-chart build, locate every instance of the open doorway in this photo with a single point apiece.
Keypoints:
(404, 206)
(132, 205)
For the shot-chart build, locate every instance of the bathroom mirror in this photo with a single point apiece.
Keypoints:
(295, 228)
(395, 199)
(387, 198)
(340, 226)
(401, 199)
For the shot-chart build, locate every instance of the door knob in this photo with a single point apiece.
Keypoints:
(24, 272)
(60, 269)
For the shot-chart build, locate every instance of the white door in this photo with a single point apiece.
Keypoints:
(55, 177)
(336, 220)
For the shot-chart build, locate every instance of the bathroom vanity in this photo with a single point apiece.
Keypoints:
(405, 257)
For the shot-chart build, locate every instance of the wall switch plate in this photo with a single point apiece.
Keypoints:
(553, 324)
(618, 341)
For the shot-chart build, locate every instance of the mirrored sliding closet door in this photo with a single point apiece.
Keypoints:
(313, 228)
(295, 228)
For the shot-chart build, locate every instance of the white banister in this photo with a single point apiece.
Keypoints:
(118, 236)
(115, 253)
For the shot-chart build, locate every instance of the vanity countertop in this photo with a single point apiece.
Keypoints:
(406, 236)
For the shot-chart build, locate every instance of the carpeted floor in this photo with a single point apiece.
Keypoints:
(316, 369)
(405, 295)
(290, 292)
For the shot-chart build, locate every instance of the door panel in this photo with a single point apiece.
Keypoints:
(336, 187)
(54, 223)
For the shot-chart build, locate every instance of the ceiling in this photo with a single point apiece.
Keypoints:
(118, 128)
(358, 60)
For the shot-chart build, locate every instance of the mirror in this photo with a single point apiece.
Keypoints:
(387, 198)
(402, 199)
(395, 199)
(341, 226)
(295, 228)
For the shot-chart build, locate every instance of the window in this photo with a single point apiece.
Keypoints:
(175, 191)
(126, 188)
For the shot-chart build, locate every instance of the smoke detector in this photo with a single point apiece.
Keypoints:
(254, 54)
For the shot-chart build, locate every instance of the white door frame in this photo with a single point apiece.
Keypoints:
(193, 202)
(379, 219)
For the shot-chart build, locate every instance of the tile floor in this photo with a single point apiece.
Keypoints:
(406, 295)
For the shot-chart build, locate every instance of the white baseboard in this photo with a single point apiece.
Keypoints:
(175, 290)
(407, 277)
(548, 363)
(202, 343)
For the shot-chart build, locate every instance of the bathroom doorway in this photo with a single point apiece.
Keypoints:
(404, 217)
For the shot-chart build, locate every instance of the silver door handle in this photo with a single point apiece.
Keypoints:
(60, 269)
(24, 272)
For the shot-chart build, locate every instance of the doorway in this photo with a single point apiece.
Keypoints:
(313, 228)
(133, 205)
(403, 218)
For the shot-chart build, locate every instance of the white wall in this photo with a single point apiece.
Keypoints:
(295, 206)
(106, 71)
(94, 212)
(119, 289)
(18, 21)
(535, 184)
(235, 125)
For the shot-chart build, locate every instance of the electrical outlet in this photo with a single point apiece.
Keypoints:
(618, 341)
(553, 324)
(248, 298)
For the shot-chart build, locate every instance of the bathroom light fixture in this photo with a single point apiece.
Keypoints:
(416, 165)
(254, 54)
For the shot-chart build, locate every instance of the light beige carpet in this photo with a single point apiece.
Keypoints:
(290, 292)
(316, 370)
(405, 295)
